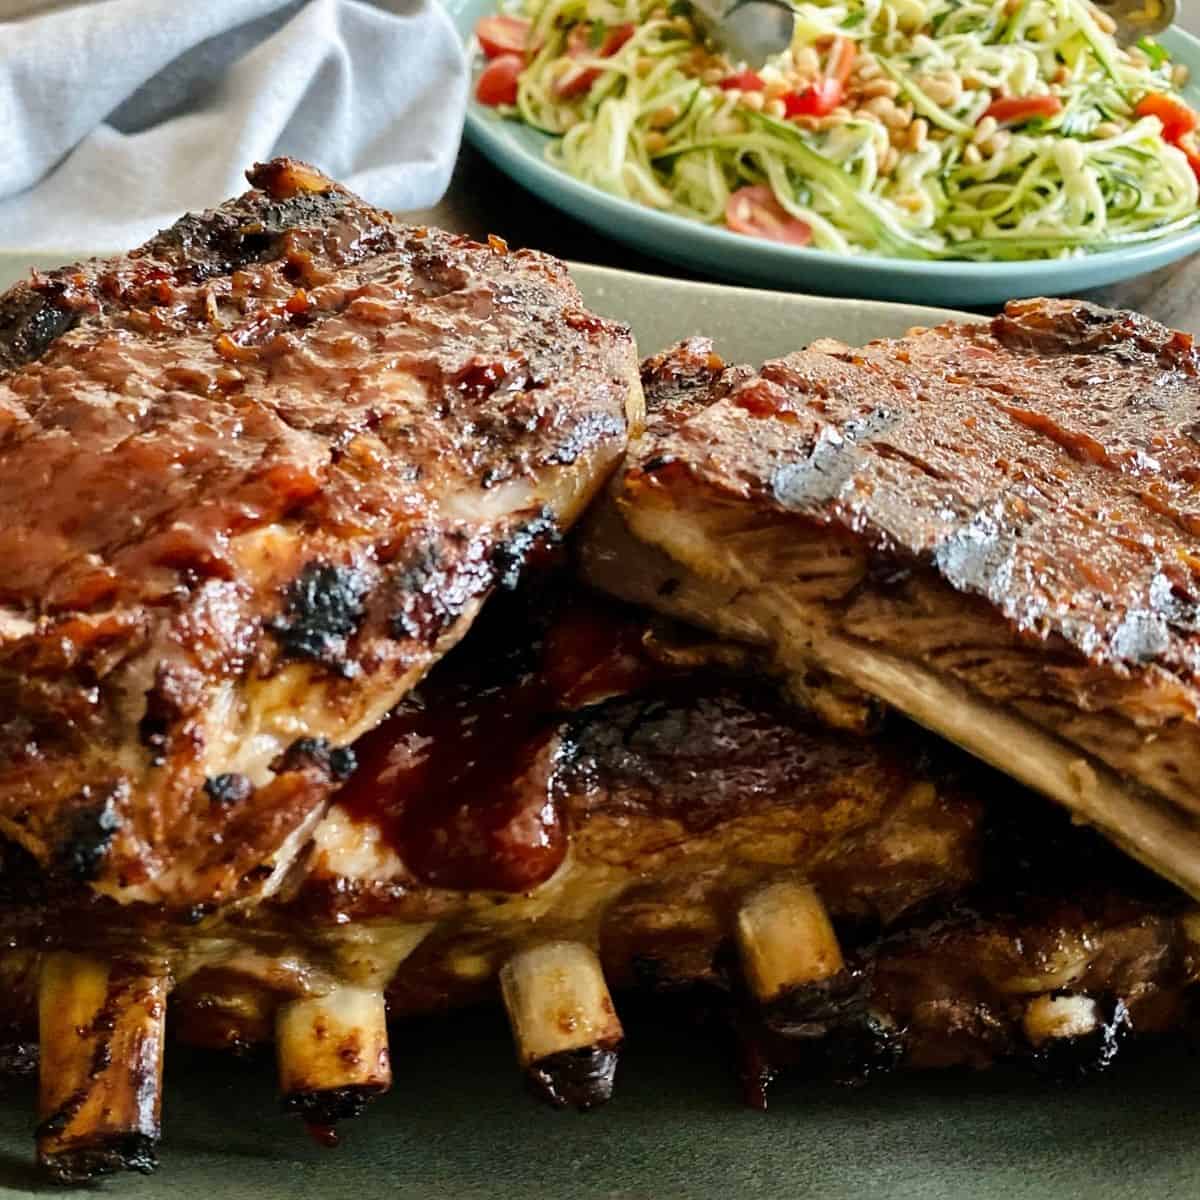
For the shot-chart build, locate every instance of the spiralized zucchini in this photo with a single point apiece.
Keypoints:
(655, 125)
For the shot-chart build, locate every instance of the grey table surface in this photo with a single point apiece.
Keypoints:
(482, 200)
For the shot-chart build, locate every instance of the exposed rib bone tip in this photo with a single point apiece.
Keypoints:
(1074, 1035)
(100, 1078)
(786, 940)
(1054, 1017)
(564, 1024)
(333, 1053)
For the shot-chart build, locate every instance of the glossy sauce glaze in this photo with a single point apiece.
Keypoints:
(460, 778)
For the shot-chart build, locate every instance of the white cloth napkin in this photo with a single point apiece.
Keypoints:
(116, 116)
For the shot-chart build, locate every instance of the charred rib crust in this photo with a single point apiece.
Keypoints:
(336, 762)
(323, 608)
(129, 1152)
(580, 1079)
(329, 1106)
(32, 316)
(91, 830)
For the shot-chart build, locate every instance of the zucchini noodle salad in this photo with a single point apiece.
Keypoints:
(956, 129)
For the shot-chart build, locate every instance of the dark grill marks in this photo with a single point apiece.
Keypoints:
(336, 762)
(90, 832)
(323, 607)
(228, 789)
(30, 320)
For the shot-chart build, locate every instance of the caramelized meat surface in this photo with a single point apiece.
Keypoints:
(988, 526)
(582, 797)
(257, 475)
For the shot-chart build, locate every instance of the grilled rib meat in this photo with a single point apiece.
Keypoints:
(256, 477)
(578, 795)
(988, 526)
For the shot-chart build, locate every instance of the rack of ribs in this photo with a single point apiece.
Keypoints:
(582, 802)
(257, 476)
(268, 760)
(988, 527)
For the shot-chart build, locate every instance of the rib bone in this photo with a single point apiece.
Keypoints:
(1052, 1017)
(333, 1053)
(563, 1021)
(786, 940)
(101, 1033)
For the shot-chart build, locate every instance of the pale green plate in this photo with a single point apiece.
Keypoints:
(458, 1126)
(715, 252)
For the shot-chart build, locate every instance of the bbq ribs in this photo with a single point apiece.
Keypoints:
(257, 476)
(990, 527)
(260, 475)
(578, 799)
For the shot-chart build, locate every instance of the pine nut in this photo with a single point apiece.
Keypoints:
(1180, 74)
(887, 164)
(1106, 23)
(713, 75)
(867, 69)
(984, 130)
(996, 144)
(944, 89)
(776, 88)
(881, 107)
(662, 117)
(918, 131)
(881, 87)
(752, 100)
(655, 142)
(775, 108)
(807, 62)
(1106, 129)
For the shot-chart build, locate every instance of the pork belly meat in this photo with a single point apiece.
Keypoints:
(990, 527)
(256, 477)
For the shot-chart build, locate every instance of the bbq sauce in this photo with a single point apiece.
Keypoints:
(460, 777)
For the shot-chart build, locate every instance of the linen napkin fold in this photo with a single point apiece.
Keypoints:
(116, 116)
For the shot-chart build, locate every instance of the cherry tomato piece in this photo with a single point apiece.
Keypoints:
(579, 45)
(822, 97)
(744, 81)
(1177, 119)
(499, 34)
(753, 210)
(498, 83)
(1012, 110)
(819, 100)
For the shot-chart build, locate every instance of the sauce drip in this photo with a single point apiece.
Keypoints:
(459, 778)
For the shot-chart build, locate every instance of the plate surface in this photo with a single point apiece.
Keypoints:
(520, 152)
(457, 1125)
